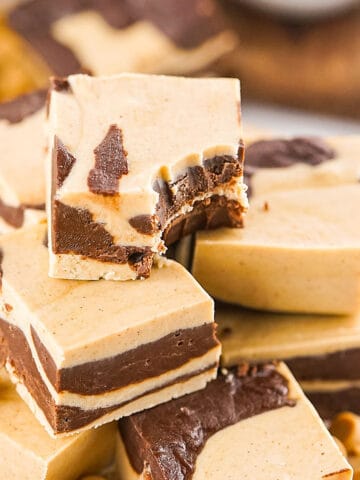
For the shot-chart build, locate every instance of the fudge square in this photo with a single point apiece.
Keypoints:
(252, 422)
(85, 353)
(279, 164)
(28, 453)
(322, 351)
(136, 162)
(299, 253)
(22, 149)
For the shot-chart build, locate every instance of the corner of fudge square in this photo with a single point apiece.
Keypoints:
(135, 163)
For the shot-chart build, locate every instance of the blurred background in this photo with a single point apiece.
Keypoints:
(298, 61)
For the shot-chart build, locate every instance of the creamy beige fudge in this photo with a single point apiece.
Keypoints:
(299, 252)
(113, 36)
(278, 164)
(85, 353)
(22, 161)
(252, 422)
(322, 351)
(28, 453)
(137, 161)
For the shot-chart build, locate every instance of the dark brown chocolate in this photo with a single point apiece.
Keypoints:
(75, 232)
(33, 20)
(170, 436)
(213, 212)
(340, 365)
(188, 23)
(62, 160)
(14, 216)
(281, 153)
(330, 403)
(134, 366)
(16, 110)
(145, 224)
(110, 164)
(61, 418)
(196, 181)
(60, 84)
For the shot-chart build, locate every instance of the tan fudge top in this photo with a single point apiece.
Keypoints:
(85, 321)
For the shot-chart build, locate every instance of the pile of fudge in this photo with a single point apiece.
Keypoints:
(174, 293)
(115, 360)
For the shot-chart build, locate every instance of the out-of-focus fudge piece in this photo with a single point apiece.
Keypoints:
(22, 161)
(278, 164)
(322, 351)
(299, 252)
(21, 69)
(136, 161)
(85, 353)
(114, 36)
(251, 422)
(28, 453)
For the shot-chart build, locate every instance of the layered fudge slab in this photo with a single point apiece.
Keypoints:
(22, 161)
(28, 453)
(251, 422)
(110, 36)
(299, 252)
(85, 353)
(137, 161)
(278, 164)
(322, 351)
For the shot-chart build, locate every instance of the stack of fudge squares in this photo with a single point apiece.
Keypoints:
(111, 345)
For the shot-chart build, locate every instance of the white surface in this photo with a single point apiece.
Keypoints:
(304, 8)
(286, 121)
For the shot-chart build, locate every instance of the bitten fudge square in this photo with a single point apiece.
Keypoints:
(252, 422)
(85, 353)
(137, 162)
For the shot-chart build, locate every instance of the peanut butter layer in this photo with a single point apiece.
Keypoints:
(97, 348)
(240, 426)
(22, 149)
(278, 164)
(27, 451)
(314, 346)
(299, 252)
(109, 37)
(137, 161)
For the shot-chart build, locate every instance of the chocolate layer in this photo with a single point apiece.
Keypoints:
(196, 181)
(133, 366)
(188, 23)
(170, 437)
(214, 212)
(340, 365)
(63, 161)
(110, 164)
(16, 110)
(75, 232)
(328, 404)
(281, 153)
(61, 418)
(14, 216)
